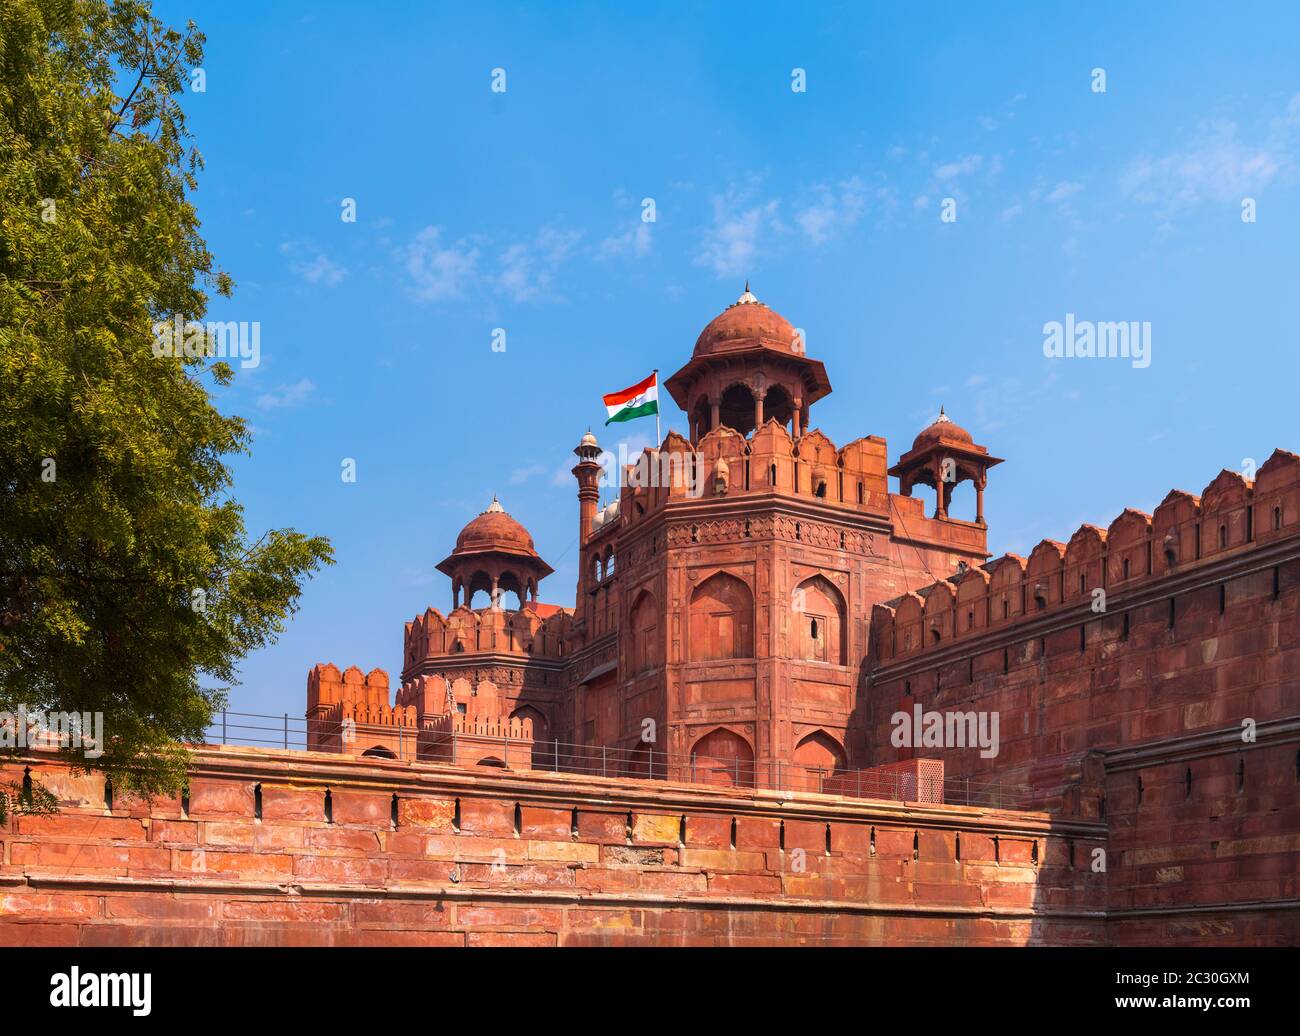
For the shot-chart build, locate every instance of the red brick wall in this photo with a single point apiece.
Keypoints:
(525, 859)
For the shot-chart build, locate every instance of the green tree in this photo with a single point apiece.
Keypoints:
(128, 583)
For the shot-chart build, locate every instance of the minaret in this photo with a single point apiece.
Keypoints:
(587, 472)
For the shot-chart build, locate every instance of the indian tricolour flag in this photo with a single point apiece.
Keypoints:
(641, 400)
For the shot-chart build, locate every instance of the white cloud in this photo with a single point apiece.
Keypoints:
(947, 178)
(950, 171)
(1008, 113)
(439, 272)
(636, 241)
(837, 207)
(287, 396)
(312, 265)
(528, 268)
(730, 244)
(1063, 190)
(1217, 165)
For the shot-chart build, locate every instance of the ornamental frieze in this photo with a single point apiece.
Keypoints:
(782, 527)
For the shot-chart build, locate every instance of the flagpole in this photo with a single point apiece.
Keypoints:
(658, 437)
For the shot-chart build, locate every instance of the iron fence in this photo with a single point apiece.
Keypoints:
(435, 742)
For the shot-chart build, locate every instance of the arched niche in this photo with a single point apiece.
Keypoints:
(820, 622)
(543, 745)
(723, 757)
(821, 752)
(643, 624)
(721, 619)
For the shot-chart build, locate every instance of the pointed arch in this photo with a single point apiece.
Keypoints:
(543, 747)
(723, 757)
(736, 407)
(721, 619)
(643, 622)
(820, 622)
(821, 752)
(779, 407)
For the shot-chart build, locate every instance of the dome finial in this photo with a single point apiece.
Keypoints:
(748, 296)
(494, 506)
(943, 418)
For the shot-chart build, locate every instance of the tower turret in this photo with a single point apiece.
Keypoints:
(942, 455)
(748, 367)
(494, 553)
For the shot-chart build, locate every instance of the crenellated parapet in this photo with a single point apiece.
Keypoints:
(534, 631)
(726, 464)
(350, 712)
(496, 728)
(1232, 516)
(468, 723)
(327, 687)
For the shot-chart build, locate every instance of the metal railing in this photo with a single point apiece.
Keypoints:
(433, 742)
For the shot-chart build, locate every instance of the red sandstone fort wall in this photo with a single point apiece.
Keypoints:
(1204, 841)
(523, 859)
(1174, 714)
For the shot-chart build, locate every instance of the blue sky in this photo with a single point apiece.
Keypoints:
(522, 211)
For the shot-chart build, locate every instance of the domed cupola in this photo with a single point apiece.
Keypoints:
(748, 367)
(943, 455)
(496, 554)
(942, 429)
(494, 530)
(745, 323)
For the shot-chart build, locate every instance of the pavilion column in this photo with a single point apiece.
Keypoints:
(715, 412)
(979, 500)
(496, 587)
(798, 417)
(941, 491)
(758, 411)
